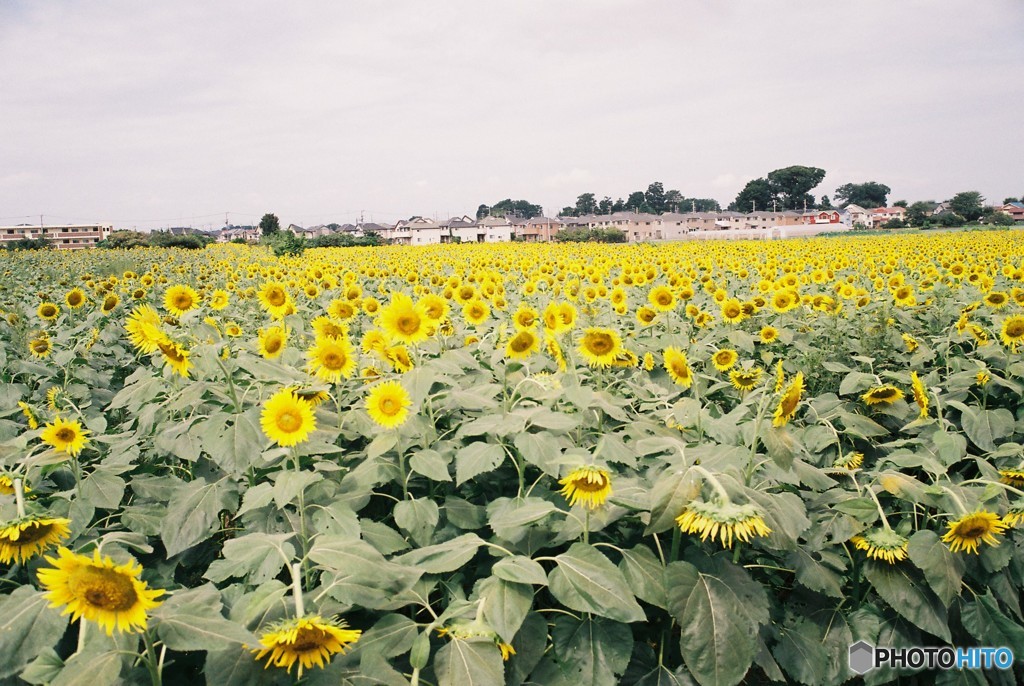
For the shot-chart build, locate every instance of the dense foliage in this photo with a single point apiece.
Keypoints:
(551, 464)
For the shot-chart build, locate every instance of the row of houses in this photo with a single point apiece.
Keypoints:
(62, 236)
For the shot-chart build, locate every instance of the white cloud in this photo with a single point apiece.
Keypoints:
(573, 178)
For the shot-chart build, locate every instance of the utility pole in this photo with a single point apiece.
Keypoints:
(226, 223)
(753, 206)
(775, 205)
(693, 205)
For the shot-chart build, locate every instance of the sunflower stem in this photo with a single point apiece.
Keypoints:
(715, 483)
(586, 527)
(881, 512)
(956, 500)
(152, 663)
(994, 483)
(19, 495)
(82, 624)
(300, 607)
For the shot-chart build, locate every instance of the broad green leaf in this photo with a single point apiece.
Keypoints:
(529, 644)
(800, 652)
(510, 517)
(541, 450)
(672, 491)
(27, 627)
(985, 427)
(257, 557)
(862, 508)
(90, 669)
(418, 517)
(943, 569)
(103, 490)
(430, 464)
(443, 557)
(592, 651)
(469, 663)
(392, 635)
(645, 574)
(191, 630)
(289, 484)
(587, 581)
(336, 519)
(234, 441)
(496, 424)
(520, 569)
(475, 459)
(193, 513)
(464, 514)
(813, 572)
(908, 597)
(505, 605)
(358, 574)
(236, 666)
(986, 623)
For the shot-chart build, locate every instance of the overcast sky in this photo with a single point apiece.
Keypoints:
(156, 114)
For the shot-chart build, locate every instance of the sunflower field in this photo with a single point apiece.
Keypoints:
(695, 463)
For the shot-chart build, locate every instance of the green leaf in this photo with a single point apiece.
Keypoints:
(257, 557)
(191, 620)
(672, 491)
(645, 575)
(475, 459)
(234, 441)
(719, 626)
(510, 517)
(587, 581)
(419, 654)
(103, 490)
(985, 427)
(505, 606)
(469, 663)
(430, 464)
(337, 519)
(799, 651)
(464, 514)
(288, 485)
(862, 508)
(585, 652)
(496, 424)
(943, 569)
(814, 574)
(529, 644)
(392, 635)
(193, 513)
(236, 666)
(90, 669)
(358, 574)
(520, 569)
(443, 557)
(27, 627)
(541, 450)
(418, 517)
(983, 619)
(908, 598)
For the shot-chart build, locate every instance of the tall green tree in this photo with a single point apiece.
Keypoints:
(792, 185)
(655, 197)
(482, 211)
(1007, 201)
(868, 195)
(513, 208)
(824, 203)
(968, 204)
(605, 206)
(918, 213)
(269, 224)
(637, 202)
(586, 204)
(756, 195)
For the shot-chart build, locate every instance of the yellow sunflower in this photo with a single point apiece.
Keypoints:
(176, 357)
(882, 395)
(65, 436)
(600, 346)
(745, 379)
(388, 404)
(332, 358)
(404, 321)
(768, 334)
(525, 317)
(398, 356)
(220, 299)
(724, 521)
(590, 486)
(732, 311)
(98, 590)
(309, 640)
(476, 312)
(969, 530)
(110, 303)
(435, 307)
(724, 359)
(646, 315)
(662, 298)
(287, 419)
(920, 393)
(272, 341)
(30, 415)
(882, 544)
(48, 311)
(27, 537)
(1010, 477)
(75, 298)
(40, 345)
(274, 298)
(521, 346)
(1012, 333)
(648, 362)
(849, 461)
(677, 367)
(910, 342)
(180, 299)
(997, 300)
(789, 401)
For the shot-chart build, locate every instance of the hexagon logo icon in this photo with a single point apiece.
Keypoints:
(862, 657)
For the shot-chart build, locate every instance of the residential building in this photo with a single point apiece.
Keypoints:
(881, 215)
(1015, 210)
(61, 236)
(858, 215)
(538, 230)
(821, 217)
(496, 229)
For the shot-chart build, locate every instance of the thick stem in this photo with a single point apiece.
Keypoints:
(300, 606)
(152, 663)
(19, 495)
(715, 483)
(586, 527)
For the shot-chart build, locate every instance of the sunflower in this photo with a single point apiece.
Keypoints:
(589, 485)
(332, 358)
(732, 311)
(920, 393)
(600, 346)
(997, 300)
(476, 312)
(969, 530)
(525, 317)
(232, 329)
(1012, 333)
(110, 303)
(180, 299)
(724, 359)
(661, 297)
(555, 350)
(910, 342)
(220, 299)
(677, 367)
(27, 537)
(313, 396)
(646, 315)
(69, 437)
(648, 362)
(342, 310)
(40, 345)
(789, 401)
(98, 590)
(374, 341)
(48, 311)
(1010, 477)
(274, 298)
(882, 395)
(30, 415)
(559, 318)
(308, 640)
(768, 334)
(849, 461)
(521, 346)
(785, 300)
(982, 378)
(745, 379)
(388, 404)
(882, 544)
(272, 341)
(398, 356)
(176, 357)
(75, 298)
(287, 419)
(724, 521)
(435, 307)
(404, 321)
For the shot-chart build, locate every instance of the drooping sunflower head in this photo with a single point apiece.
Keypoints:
(29, 536)
(99, 590)
(882, 395)
(179, 299)
(849, 461)
(910, 342)
(724, 521)
(920, 393)
(287, 419)
(678, 367)
(398, 356)
(590, 486)
(65, 436)
(1012, 477)
(176, 357)
(48, 311)
(882, 544)
(1014, 516)
(599, 346)
(745, 379)
(789, 401)
(388, 404)
(309, 641)
(970, 530)
(524, 344)
(40, 345)
(313, 396)
(724, 359)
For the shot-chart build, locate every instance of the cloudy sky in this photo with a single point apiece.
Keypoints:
(156, 114)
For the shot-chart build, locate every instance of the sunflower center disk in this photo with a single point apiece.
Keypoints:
(288, 421)
(105, 589)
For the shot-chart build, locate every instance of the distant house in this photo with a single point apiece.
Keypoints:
(821, 217)
(538, 229)
(417, 231)
(1015, 210)
(495, 229)
(858, 215)
(245, 233)
(62, 237)
(881, 215)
